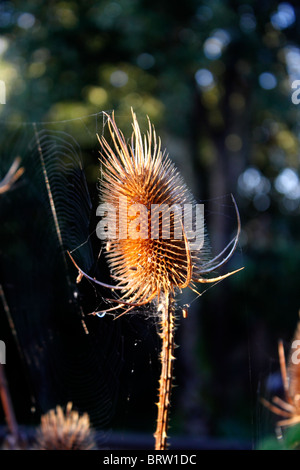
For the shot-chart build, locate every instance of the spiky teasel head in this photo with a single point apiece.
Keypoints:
(65, 431)
(152, 249)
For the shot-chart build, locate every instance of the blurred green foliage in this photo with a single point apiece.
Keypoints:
(289, 440)
(216, 78)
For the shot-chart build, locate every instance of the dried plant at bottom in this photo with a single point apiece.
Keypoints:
(289, 408)
(141, 183)
(67, 430)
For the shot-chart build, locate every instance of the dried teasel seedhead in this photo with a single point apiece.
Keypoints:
(139, 174)
(139, 179)
(67, 430)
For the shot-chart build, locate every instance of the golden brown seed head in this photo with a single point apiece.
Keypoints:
(140, 179)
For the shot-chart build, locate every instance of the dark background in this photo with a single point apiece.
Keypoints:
(216, 80)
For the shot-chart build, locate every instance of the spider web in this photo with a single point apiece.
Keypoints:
(57, 351)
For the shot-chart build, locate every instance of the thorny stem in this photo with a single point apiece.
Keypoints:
(167, 328)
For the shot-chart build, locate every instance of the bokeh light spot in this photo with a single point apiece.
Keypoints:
(283, 17)
(267, 81)
(261, 202)
(145, 61)
(287, 182)
(233, 142)
(214, 45)
(26, 20)
(119, 78)
(204, 78)
(97, 96)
